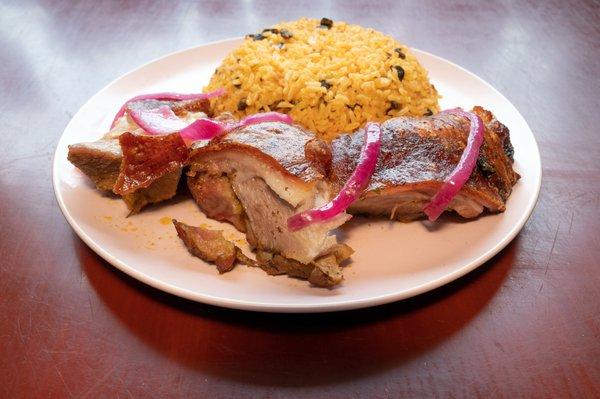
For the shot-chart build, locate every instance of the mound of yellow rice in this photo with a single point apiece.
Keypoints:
(331, 77)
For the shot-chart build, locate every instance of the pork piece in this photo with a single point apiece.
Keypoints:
(417, 155)
(324, 271)
(215, 197)
(210, 246)
(274, 171)
(101, 160)
(148, 158)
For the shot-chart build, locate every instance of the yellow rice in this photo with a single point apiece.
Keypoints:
(329, 80)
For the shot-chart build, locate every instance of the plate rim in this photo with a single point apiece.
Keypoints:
(259, 306)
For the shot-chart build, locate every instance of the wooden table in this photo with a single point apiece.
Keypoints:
(527, 324)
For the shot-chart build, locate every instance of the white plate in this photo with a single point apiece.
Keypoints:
(392, 260)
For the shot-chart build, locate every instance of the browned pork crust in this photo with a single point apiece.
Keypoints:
(148, 158)
(418, 154)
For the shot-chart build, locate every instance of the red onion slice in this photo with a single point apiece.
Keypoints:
(355, 185)
(463, 169)
(166, 96)
(203, 129)
(161, 120)
(266, 117)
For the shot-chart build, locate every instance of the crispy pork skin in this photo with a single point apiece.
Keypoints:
(272, 177)
(147, 159)
(417, 155)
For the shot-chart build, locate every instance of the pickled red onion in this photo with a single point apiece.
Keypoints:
(266, 117)
(161, 120)
(166, 96)
(463, 169)
(204, 129)
(355, 185)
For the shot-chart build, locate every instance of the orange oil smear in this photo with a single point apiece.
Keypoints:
(165, 220)
(108, 217)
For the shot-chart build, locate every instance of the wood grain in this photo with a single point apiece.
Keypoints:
(527, 324)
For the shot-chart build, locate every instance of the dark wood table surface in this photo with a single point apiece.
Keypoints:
(526, 324)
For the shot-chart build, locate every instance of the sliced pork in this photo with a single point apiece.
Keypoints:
(273, 171)
(102, 160)
(417, 155)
